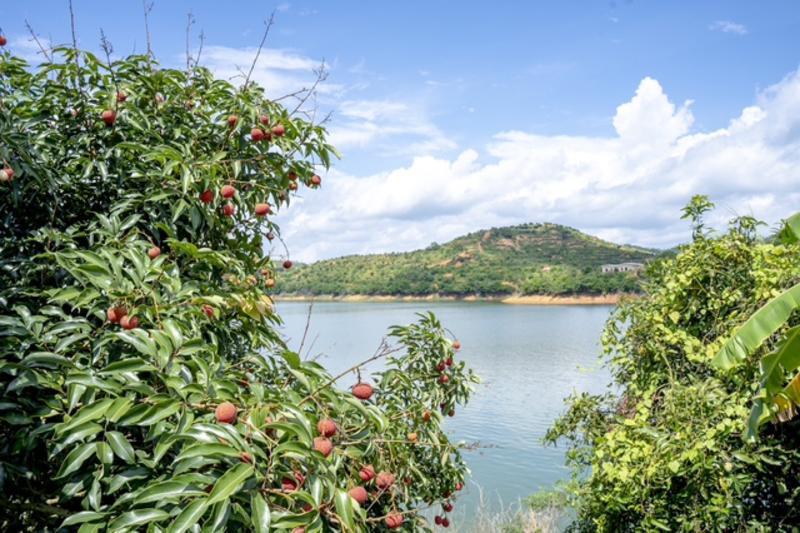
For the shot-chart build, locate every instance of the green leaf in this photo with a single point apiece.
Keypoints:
(76, 458)
(137, 518)
(208, 450)
(230, 482)
(344, 508)
(763, 323)
(119, 443)
(261, 515)
(189, 516)
(166, 490)
(81, 517)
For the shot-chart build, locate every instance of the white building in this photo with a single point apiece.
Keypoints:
(622, 267)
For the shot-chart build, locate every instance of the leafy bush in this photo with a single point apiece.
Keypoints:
(144, 385)
(664, 450)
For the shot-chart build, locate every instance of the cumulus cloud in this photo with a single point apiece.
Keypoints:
(727, 26)
(626, 187)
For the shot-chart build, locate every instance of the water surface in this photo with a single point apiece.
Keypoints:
(529, 359)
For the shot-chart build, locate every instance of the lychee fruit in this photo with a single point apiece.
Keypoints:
(279, 130)
(384, 480)
(443, 379)
(426, 416)
(359, 494)
(459, 486)
(394, 520)
(153, 252)
(288, 484)
(4, 177)
(456, 345)
(3, 40)
(121, 96)
(447, 507)
(264, 119)
(449, 361)
(207, 196)
(232, 121)
(287, 264)
(441, 366)
(316, 181)
(208, 310)
(226, 413)
(228, 210)
(292, 176)
(115, 314)
(366, 473)
(262, 210)
(109, 117)
(227, 191)
(293, 186)
(129, 322)
(445, 522)
(9, 172)
(269, 282)
(362, 391)
(270, 236)
(257, 135)
(323, 446)
(326, 427)
(437, 520)
(412, 437)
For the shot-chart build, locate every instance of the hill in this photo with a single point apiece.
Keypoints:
(523, 259)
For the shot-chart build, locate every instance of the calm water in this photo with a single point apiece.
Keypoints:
(529, 358)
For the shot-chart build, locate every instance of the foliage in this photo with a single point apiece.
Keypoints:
(663, 450)
(110, 427)
(527, 259)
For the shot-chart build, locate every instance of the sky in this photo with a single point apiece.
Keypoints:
(455, 116)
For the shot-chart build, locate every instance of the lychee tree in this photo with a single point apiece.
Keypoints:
(143, 384)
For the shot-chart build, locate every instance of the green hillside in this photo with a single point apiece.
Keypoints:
(524, 259)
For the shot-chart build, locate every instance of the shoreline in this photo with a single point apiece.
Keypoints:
(512, 299)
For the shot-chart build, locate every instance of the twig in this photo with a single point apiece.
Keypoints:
(38, 42)
(322, 75)
(305, 331)
(147, 7)
(269, 24)
(200, 50)
(189, 23)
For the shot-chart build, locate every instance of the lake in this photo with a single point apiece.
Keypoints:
(528, 357)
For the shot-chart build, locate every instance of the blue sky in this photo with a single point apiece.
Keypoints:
(452, 116)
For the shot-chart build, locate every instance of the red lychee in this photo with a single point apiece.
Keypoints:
(326, 427)
(366, 473)
(3, 40)
(287, 264)
(109, 117)
(207, 197)
(226, 413)
(121, 96)
(316, 181)
(323, 446)
(426, 416)
(232, 121)
(443, 379)
(208, 310)
(129, 322)
(447, 506)
(384, 480)
(262, 210)
(228, 210)
(256, 134)
(359, 494)
(227, 191)
(279, 130)
(363, 391)
(293, 186)
(153, 252)
(264, 119)
(292, 176)
(456, 345)
(394, 520)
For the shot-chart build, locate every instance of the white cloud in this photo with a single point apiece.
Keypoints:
(381, 123)
(627, 187)
(727, 26)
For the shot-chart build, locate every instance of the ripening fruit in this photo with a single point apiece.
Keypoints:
(279, 130)
(438, 520)
(287, 264)
(293, 186)
(9, 172)
(3, 40)
(326, 427)
(362, 391)
(257, 135)
(459, 486)
(445, 522)
(226, 413)
(207, 196)
(232, 121)
(262, 210)
(441, 366)
(228, 210)
(359, 494)
(129, 322)
(452, 412)
(153, 252)
(264, 119)
(426, 416)
(443, 379)
(447, 507)
(270, 236)
(366, 473)
(109, 117)
(208, 310)
(316, 181)
(289, 484)
(121, 96)
(246, 458)
(4, 177)
(292, 176)
(269, 282)
(449, 361)
(227, 191)
(323, 446)
(412, 437)
(115, 314)
(456, 345)
(384, 480)
(394, 520)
